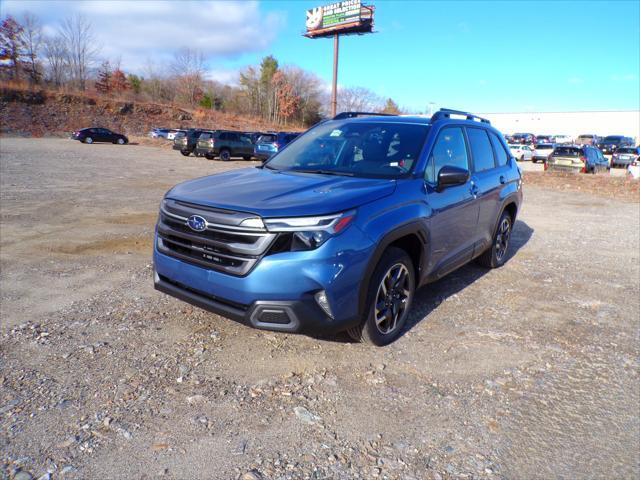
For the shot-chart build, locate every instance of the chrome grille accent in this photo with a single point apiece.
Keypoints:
(224, 245)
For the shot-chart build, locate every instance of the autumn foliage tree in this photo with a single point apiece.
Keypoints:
(286, 99)
(119, 82)
(12, 46)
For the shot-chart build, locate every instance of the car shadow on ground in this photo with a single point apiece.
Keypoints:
(428, 297)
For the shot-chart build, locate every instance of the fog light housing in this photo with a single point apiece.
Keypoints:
(323, 301)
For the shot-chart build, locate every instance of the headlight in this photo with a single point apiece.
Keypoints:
(307, 233)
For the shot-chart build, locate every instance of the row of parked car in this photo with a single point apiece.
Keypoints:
(608, 144)
(584, 158)
(226, 144)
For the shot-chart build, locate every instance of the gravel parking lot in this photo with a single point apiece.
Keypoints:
(528, 371)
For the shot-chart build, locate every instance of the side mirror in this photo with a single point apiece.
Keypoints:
(450, 176)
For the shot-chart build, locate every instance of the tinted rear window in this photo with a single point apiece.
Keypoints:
(567, 152)
(481, 149)
(267, 138)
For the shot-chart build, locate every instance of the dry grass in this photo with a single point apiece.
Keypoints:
(603, 185)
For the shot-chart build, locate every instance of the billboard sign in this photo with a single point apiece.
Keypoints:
(334, 17)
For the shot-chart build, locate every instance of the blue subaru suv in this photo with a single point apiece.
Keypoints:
(336, 231)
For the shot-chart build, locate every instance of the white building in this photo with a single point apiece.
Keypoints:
(624, 122)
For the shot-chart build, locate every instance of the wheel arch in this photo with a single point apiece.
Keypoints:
(412, 238)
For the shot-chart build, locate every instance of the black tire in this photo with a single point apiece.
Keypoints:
(186, 153)
(383, 325)
(208, 156)
(225, 155)
(88, 140)
(496, 255)
(533, 160)
(247, 157)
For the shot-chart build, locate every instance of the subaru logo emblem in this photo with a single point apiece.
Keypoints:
(197, 223)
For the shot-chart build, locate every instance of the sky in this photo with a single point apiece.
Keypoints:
(478, 56)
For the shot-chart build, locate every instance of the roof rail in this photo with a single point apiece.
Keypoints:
(447, 112)
(343, 115)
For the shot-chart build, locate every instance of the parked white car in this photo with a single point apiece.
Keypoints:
(172, 133)
(562, 139)
(634, 170)
(542, 152)
(521, 152)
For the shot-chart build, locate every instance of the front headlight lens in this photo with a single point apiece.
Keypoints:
(308, 233)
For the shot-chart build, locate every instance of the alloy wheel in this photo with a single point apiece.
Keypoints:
(393, 296)
(502, 238)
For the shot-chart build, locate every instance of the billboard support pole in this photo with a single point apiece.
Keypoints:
(334, 88)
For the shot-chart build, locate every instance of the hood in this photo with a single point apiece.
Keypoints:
(269, 193)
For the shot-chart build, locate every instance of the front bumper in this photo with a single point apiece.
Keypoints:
(278, 294)
(622, 162)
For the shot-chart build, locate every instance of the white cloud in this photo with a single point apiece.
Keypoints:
(143, 30)
(629, 77)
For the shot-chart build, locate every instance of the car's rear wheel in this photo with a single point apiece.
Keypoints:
(225, 155)
(121, 141)
(186, 153)
(389, 297)
(247, 157)
(496, 255)
(88, 140)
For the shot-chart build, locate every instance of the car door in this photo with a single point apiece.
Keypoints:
(104, 135)
(454, 209)
(246, 147)
(489, 179)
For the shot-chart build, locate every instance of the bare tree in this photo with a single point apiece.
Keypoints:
(358, 99)
(80, 45)
(32, 40)
(55, 52)
(188, 69)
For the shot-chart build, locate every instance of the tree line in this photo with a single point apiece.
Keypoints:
(70, 60)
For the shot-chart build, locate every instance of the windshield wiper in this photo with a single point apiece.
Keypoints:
(323, 172)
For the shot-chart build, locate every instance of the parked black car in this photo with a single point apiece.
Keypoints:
(270, 143)
(186, 142)
(225, 144)
(99, 134)
(611, 143)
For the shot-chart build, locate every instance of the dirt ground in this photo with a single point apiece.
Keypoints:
(525, 372)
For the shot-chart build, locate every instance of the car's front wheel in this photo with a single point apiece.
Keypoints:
(121, 141)
(88, 140)
(496, 255)
(389, 299)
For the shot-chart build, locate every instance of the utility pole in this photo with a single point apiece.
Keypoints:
(334, 89)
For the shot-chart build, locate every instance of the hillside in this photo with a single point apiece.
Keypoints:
(47, 113)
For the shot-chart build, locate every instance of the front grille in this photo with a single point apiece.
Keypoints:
(224, 245)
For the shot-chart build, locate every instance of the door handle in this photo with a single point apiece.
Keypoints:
(474, 189)
(503, 180)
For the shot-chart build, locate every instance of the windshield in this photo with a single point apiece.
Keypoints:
(359, 149)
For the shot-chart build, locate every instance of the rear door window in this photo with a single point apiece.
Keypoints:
(501, 155)
(481, 150)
